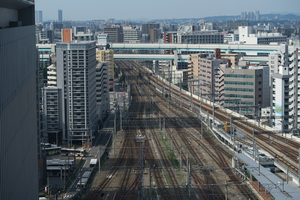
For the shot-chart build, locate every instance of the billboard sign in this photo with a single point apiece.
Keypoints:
(278, 109)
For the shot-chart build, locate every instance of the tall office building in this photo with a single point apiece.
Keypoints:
(257, 16)
(131, 35)
(76, 76)
(19, 151)
(38, 16)
(60, 17)
(115, 34)
(245, 84)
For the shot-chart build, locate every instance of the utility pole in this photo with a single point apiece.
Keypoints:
(121, 120)
(287, 175)
(180, 95)
(213, 122)
(163, 88)
(113, 144)
(189, 180)
(180, 157)
(81, 183)
(150, 177)
(71, 134)
(159, 121)
(253, 141)
(99, 157)
(115, 124)
(164, 129)
(191, 97)
(48, 180)
(230, 127)
(299, 168)
(208, 118)
(226, 190)
(187, 160)
(65, 177)
(201, 129)
(57, 138)
(172, 140)
(259, 167)
(201, 102)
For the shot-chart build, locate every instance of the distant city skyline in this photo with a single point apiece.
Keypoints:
(135, 10)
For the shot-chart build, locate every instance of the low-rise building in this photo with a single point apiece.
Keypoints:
(200, 37)
(246, 36)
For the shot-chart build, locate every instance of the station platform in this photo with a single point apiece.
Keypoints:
(270, 181)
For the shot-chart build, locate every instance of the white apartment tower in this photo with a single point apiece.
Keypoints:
(76, 76)
(286, 63)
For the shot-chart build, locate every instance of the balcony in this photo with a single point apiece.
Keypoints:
(287, 109)
(51, 73)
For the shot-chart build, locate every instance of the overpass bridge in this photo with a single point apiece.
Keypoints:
(235, 48)
(250, 51)
(180, 58)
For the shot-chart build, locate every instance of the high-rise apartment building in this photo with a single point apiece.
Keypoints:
(76, 76)
(154, 35)
(108, 55)
(52, 115)
(38, 16)
(60, 16)
(285, 64)
(19, 134)
(281, 98)
(102, 89)
(147, 27)
(243, 16)
(206, 70)
(115, 34)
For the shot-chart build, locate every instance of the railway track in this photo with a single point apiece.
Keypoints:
(286, 153)
(218, 158)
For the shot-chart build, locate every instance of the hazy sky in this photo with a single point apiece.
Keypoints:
(158, 9)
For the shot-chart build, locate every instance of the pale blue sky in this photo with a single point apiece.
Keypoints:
(158, 9)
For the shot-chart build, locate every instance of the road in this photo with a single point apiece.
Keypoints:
(101, 141)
